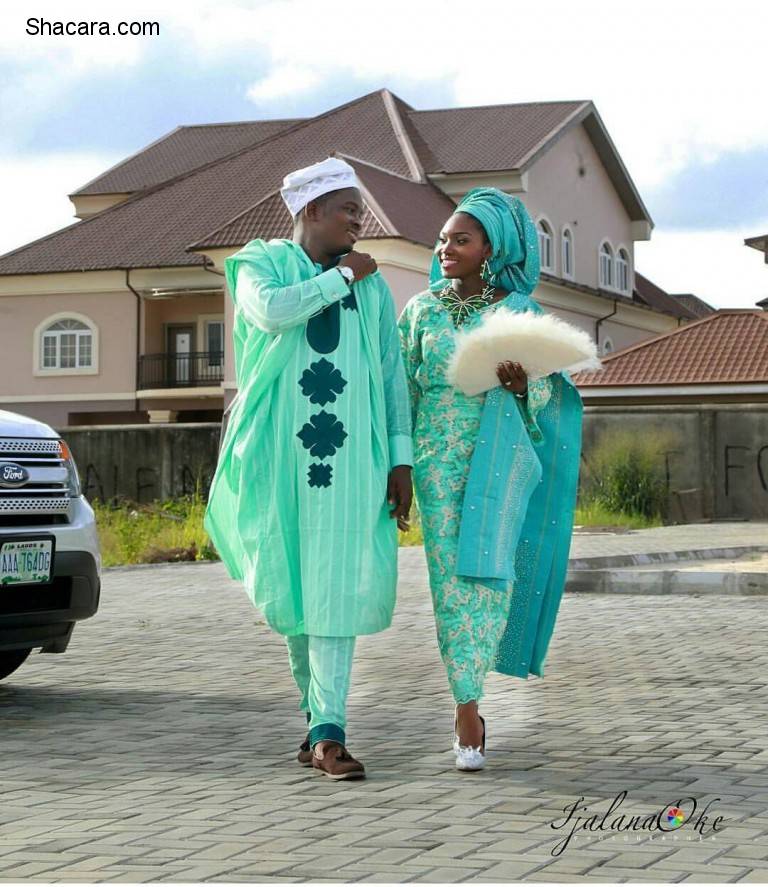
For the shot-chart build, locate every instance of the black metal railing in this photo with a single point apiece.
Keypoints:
(191, 370)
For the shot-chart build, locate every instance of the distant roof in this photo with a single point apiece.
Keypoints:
(181, 150)
(694, 304)
(156, 226)
(729, 346)
(759, 243)
(654, 296)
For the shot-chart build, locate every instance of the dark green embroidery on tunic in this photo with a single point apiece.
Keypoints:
(320, 475)
(322, 435)
(324, 329)
(322, 382)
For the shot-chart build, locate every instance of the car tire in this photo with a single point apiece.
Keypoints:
(10, 660)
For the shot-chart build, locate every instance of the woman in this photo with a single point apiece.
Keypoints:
(496, 519)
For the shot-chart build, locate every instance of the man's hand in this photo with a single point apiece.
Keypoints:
(361, 263)
(512, 377)
(400, 494)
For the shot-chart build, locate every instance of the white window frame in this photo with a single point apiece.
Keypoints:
(568, 275)
(607, 346)
(542, 222)
(37, 347)
(601, 282)
(202, 335)
(618, 262)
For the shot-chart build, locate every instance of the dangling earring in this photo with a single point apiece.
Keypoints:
(485, 270)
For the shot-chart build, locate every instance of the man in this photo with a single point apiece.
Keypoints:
(314, 473)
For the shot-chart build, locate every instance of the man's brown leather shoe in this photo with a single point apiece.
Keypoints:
(304, 757)
(336, 762)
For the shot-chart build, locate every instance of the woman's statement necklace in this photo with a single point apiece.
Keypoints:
(462, 309)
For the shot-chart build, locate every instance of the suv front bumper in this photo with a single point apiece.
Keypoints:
(44, 615)
(34, 616)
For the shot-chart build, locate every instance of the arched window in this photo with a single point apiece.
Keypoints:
(607, 346)
(606, 265)
(567, 250)
(622, 270)
(546, 253)
(67, 343)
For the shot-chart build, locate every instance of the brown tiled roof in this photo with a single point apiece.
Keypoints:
(413, 210)
(486, 138)
(153, 228)
(655, 297)
(184, 149)
(268, 219)
(693, 303)
(395, 207)
(729, 346)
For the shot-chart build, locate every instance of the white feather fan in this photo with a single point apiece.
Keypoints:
(542, 343)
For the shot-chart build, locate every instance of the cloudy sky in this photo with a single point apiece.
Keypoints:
(679, 85)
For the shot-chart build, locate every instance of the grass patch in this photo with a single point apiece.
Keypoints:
(593, 514)
(159, 532)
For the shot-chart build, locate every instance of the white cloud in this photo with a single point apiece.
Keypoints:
(283, 81)
(672, 80)
(714, 265)
(36, 187)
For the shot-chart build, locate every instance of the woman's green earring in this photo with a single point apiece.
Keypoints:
(485, 272)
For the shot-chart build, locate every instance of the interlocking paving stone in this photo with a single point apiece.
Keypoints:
(161, 746)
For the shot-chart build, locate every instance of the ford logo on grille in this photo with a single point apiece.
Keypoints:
(12, 475)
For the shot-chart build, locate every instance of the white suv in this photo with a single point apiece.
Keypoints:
(50, 566)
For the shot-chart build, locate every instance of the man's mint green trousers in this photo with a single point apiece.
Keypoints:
(322, 668)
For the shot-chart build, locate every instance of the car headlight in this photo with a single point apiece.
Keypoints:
(73, 479)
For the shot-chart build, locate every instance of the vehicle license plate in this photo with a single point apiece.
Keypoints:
(26, 561)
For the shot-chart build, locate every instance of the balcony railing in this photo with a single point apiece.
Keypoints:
(191, 370)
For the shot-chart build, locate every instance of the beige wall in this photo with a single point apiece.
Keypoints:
(56, 413)
(182, 309)
(404, 283)
(630, 324)
(589, 204)
(113, 313)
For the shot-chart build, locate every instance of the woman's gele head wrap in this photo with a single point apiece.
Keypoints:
(514, 260)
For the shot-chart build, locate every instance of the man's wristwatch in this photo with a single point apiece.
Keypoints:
(347, 273)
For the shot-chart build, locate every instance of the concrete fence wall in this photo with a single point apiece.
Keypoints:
(144, 462)
(715, 457)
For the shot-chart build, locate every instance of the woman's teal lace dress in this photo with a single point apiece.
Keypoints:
(470, 617)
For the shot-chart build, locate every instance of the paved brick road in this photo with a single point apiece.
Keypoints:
(160, 747)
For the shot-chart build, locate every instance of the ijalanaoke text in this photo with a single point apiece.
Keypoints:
(641, 822)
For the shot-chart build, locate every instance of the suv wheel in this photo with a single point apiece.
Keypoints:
(10, 660)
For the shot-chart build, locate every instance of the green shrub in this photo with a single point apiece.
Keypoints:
(625, 473)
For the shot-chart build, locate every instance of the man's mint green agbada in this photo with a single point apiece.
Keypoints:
(297, 507)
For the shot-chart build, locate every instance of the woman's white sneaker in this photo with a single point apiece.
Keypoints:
(468, 757)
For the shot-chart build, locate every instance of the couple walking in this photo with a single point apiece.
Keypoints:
(337, 403)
